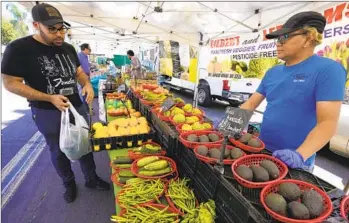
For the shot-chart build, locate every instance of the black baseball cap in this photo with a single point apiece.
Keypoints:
(298, 21)
(47, 15)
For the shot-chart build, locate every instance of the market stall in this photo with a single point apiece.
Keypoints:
(178, 155)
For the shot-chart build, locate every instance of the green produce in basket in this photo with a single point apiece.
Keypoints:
(245, 172)
(206, 213)
(147, 149)
(290, 191)
(245, 138)
(236, 153)
(226, 152)
(255, 143)
(157, 165)
(202, 150)
(214, 153)
(298, 210)
(126, 173)
(146, 160)
(122, 160)
(277, 203)
(123, 166)
(259, 174)
(314, 202)
(181, 195)
(123, 180)
(213, 137)
(140, 192)
(192, 138)
(204, 138)
(272, 169)
(151, 173)
(146, 214)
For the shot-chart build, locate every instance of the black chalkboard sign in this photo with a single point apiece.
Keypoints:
(235, 121)
(167, 105)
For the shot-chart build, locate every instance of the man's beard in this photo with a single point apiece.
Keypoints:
(48, 40)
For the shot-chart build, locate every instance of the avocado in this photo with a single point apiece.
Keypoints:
(202, 150)
(277, 203)
(213, 137)
(204, 138)
(226, 152)
(245, 172)
(290, 191)
(297, 210)
(259, 174)
(214, 153)
(272, 169)
(314, 202)
(236, 153)
(254, 143)
(192, 138)
(245, 138)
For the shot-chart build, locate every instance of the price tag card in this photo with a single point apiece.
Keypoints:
(235, 120)
(121, 88)
(167, 105)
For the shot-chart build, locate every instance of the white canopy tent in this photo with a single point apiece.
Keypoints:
(136, 23)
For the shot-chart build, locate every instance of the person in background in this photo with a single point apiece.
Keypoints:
(304, 95)
(47, 76)
(136, 67)
(85, 65)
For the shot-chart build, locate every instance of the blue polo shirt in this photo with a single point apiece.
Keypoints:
(292, 93)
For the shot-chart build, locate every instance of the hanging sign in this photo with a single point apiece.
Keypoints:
(235, 121)
(167, 105)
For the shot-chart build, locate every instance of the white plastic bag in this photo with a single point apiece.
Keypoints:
(73, 140)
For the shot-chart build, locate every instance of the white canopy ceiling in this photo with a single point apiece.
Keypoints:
(138, 22)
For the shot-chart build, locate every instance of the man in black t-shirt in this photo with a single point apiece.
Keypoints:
(50, 69)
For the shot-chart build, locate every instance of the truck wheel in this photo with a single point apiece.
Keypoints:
(204, 96)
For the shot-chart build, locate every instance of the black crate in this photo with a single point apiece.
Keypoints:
(231, 205)
(169, 143)
(187, 156)
(183, 171)
(122, 141)
(146, 111)
(206, 175)
(201, 191)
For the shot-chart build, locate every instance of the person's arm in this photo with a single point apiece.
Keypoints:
(253, 102)
(82, 77)
(327, 114)
(329, 95)
(136, 63)
(15, 85)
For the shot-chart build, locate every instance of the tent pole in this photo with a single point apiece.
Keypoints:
(195, 101)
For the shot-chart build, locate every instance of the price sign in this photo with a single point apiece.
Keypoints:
(121, 88)
(167, 105)
(235, 121)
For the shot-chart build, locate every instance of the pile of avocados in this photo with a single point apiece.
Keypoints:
(291, 202)
(234, 153)
(212, 137)
(266, 171)
(247, 139)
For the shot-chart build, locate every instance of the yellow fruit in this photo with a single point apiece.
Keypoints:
(136, 114)
(142, 120)
(122, 122)
(188, 108)
(195, 118)
(122, 131)
(107, 146)
(134, 130)
(167, 114)
(177, 112)
(190, 120)
(198, 126)
(180, 118)
(187, 127)
(97, 125)
(207, 125)
(196, 111)
(102, 133)
(133, 121)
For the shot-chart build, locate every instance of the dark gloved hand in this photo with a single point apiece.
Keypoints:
(291, 158)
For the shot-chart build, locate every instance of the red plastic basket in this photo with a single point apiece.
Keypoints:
(172, 205)
(134, 169)
(145, 102)
(175, 123)
(149, 87)
(148, 202)
(214, 160)
(164, 118)
(183, 138)
(135, 156)
(273, 188)
(345, 207)
(247, 147)
(155, 110)
(114, 178)
(158, 206)
(256, 159)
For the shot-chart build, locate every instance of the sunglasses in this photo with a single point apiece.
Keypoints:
(282, 39)
(54, 30)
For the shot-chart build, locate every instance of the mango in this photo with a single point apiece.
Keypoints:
(187, 127)
(180, 118)
(97, 125)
